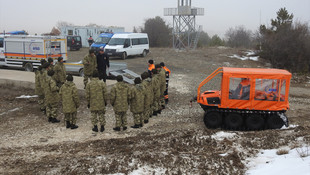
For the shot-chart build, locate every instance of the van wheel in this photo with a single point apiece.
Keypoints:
(81, 72)
(28, 67)
(124, 55)
(144, 53)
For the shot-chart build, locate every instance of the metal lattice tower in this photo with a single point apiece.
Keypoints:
(185, 32)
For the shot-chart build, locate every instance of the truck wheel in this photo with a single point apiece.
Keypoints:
(255, 122)
(144, 53)
(81, 72)
(212, 119)
(274, 122)
(124, 55)
(28, 67)
(233, 121)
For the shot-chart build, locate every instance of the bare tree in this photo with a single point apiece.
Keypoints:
(239, 37)
(60, 24)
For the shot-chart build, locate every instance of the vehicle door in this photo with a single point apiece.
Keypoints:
(128, 47)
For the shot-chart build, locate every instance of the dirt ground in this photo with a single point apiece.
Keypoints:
(174, 142)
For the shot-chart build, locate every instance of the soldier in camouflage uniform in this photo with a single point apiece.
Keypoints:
(38, 88)
(43, 81)
(137, 103)
(90, 65)
(51, 61)
(149, 98)
(60, 72)
(120, 96)
(70, 102)
(52, 98)
(162, 81)
(96, 95)
(156, 89)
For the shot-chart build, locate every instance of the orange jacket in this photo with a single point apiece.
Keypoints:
(151, 67)
(167, 70)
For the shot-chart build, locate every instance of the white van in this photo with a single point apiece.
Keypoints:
(127, 44)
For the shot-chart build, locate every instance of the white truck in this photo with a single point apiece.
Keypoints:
(127, 44)
(24, 51)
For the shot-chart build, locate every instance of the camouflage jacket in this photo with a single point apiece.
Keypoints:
(38, 87)
(149, 98)
(90, 64)
(162, 79)
(120, 96)
(69, 97)
(156, 86)
(137, 99)
(60, 73)
(51, 94)
(43, 80)
(96, 94)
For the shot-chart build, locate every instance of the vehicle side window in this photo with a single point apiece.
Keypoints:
(268, 89)
(127, 42)
(143, 41)
(239, 88)
(1, 42)
(135, 41)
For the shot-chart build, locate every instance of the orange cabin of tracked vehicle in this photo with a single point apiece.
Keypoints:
(248, 89)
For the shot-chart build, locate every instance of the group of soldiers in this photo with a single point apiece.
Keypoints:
(145, 99)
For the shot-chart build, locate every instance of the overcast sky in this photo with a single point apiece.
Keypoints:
(39, 16)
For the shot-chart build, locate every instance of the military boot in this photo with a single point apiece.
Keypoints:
(54, 120)
(68, 125)
(74, 126)
(141, 125)
(95, 128)
(117, 129)
(50, 119)
(124, 128)
(155, 113)
(135, 126)
(146, 121)
(102, 128)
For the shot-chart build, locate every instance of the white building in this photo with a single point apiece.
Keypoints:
(85, 32)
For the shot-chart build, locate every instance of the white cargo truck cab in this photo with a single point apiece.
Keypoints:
(128, 44)
(24, 51)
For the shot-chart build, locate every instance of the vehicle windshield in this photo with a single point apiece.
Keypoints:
(77, 38)
(102, 40)
(117, 41)
(1, 42)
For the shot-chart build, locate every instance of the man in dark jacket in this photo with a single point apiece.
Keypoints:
(102, 64)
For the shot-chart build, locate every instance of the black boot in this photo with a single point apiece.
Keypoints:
(135, 126)
(54, 120)
(163, 107)
(74, 126)
(68, 125)
(95, 128)
(146, 121)
(101, 128)
(50, 119)
(124, 128)
(159, 112)
(117, 129)
(155, 113)
(141, 125)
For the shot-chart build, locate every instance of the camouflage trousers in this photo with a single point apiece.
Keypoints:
(51, 110)
(156, 106)
(41, 102)
(147, 113)
(138, 118)
(162, 101)
(98, 115)
(86, 77)
(71, 117)
(120, 119)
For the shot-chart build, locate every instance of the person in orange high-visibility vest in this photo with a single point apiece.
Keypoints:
(167, 81)
(150, 68)
(243, 90)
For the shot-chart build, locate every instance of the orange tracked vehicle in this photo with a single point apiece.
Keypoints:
(249, 98)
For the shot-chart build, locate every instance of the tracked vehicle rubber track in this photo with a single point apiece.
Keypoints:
(249, 99)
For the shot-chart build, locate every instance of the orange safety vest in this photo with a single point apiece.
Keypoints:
(151, 67)
(244, 84)
(167, 70)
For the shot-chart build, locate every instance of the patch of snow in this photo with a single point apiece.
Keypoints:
(254, 58)
(223, 155)
(27, 96)
(289, 126)
(148, 170)
(269, 163)
(222, 135)
(12, 110)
